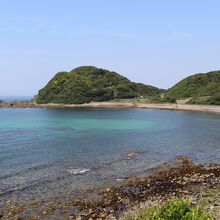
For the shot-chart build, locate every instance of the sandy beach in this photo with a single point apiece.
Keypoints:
(116, 105)
(167, 106)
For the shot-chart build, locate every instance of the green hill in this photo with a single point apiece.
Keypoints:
(202, 88)
(88, 83)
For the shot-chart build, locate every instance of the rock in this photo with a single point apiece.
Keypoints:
(110, 217)
(91, 211)
(186, 179)
(84, 217)
(1, 213)
(35, 217)
(72, 216)
(132, 154)
(45, 212)
(102, 215)
(18, 217)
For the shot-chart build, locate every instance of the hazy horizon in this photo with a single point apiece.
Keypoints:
(154, 42)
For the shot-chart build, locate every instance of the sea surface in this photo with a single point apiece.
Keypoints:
(54, 153)
(15, 98)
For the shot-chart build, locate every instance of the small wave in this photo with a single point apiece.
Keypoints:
(78, 171)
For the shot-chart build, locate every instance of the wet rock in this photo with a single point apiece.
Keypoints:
(181, 179)
(132, 154)
(108, 189)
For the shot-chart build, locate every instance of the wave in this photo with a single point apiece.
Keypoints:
(78, 171)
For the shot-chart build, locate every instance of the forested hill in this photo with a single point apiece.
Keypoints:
(88, 83)
(202, 88)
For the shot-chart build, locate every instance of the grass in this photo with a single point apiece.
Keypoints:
(172, 210)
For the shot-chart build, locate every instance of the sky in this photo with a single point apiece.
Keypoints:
(156, 42)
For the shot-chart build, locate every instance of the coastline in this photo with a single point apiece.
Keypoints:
(172, 180)
(116, 105)
(167, 106)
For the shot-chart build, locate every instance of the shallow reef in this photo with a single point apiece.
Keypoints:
(176, 179)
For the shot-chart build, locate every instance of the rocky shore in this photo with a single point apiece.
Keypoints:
(18, 104)
(178, 179)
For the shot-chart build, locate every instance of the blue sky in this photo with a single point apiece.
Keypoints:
(156, 42)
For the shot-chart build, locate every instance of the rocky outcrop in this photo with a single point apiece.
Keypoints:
(19, 104)
(179, 179)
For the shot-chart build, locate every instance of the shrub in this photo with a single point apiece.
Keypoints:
(172, 210)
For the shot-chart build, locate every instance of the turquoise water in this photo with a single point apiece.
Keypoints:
(49, 153)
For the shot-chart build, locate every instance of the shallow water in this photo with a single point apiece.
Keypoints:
(49, 153)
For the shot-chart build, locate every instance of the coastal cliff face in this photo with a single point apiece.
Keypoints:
(203, 88)
(90, 84)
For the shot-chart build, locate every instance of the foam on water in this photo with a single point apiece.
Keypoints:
(77, 171)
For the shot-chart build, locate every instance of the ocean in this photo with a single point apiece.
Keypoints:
(54, 153)
(15, 98)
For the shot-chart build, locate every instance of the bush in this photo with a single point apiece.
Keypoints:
(172, 210)
(216, 99)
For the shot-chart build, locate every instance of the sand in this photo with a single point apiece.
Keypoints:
(167, 106)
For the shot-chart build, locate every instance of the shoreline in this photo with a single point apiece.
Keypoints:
(171, 180)
(117, 105)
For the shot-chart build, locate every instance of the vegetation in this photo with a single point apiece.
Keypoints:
(172, 210)
(86, 84)
(149, 91)
(90, 84)
(201, 88)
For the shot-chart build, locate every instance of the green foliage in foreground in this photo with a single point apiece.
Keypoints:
(90, 84)
(203, 88)
(172, 210)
